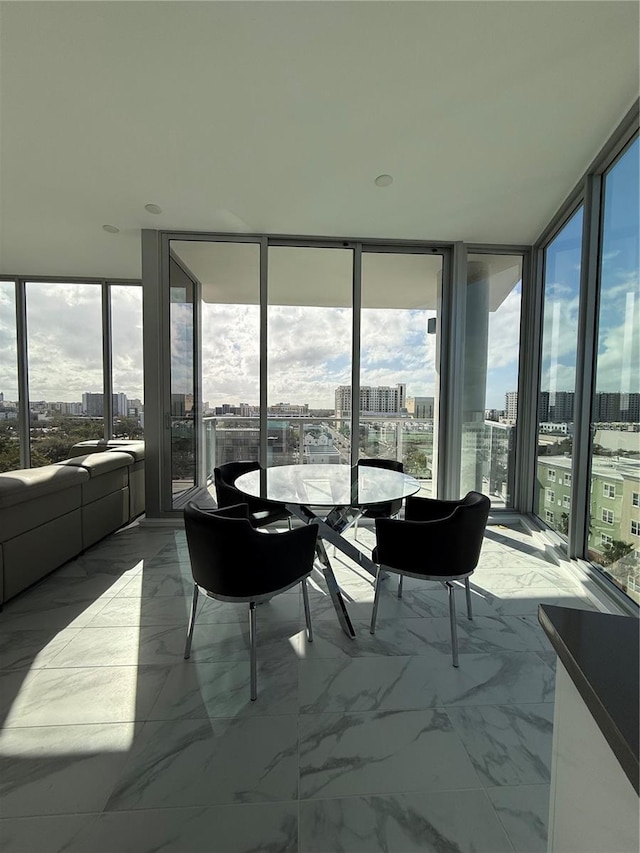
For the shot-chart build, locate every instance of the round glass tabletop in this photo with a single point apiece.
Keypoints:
(327, 485)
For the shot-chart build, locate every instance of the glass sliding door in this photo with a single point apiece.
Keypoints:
(183, 421)
(229, 275)
(398, 369)
(309, 334)
(490, 378)
(64, 349)
(561, 302)
(614, 510)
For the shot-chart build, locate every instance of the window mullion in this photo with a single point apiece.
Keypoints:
(107, 383)
(585, 373)
(24, 421)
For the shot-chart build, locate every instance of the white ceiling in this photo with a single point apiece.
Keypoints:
(277, 116)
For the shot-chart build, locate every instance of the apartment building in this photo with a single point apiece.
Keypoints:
(374, 400)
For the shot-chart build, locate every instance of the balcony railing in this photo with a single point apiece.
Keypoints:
(488, 447)
(306, 440)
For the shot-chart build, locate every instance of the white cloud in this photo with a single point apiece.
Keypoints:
(64, 326)
(64, 340)
(309, 352)
(618, 365)
(126, 337)
(504, 333)
(560, 328)
(8, 353)
(559, 377)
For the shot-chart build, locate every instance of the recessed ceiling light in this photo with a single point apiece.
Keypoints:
(153, 208)
(111, 229)
(383, 181)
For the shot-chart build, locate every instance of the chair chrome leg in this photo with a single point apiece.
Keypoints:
(400, 579)
(452, 616)
(376, 599)
(290, 525)
(355, 530)
(468, 591)
(252, 650)
(307, 610)
(192, 622)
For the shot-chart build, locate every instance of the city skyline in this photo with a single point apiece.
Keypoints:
(396, 347)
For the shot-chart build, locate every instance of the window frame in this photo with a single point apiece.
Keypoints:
(20, 283)
(588, 192)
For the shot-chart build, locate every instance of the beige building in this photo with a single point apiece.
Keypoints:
(420, 407)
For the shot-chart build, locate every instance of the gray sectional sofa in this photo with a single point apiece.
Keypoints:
(51, 514)
(136, 472)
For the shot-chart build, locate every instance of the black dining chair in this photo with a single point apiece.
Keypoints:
(261, 511)
(232, 561)
(384, 510)
(436, 541)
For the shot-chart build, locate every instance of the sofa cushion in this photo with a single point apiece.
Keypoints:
(97, 464)
(135, 449)
(108, 472)
(132, 446)
(28, 484)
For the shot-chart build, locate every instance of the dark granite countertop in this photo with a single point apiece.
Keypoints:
(601, 654)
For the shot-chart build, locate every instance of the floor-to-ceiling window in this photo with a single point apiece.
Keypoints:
(309, 337)
(127, 377)
(9, 410)
(614, 504)
(72, 333)
(229, 274)
(183, 372)
(398, 360)
(490, 375)
(65, 367)
(277, 385)
(555, 417)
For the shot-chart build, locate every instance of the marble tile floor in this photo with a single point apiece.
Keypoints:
(112, 742)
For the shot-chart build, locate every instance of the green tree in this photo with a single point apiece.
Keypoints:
(415, 461)
(9, 453)
(127, 428)
(53, 448)
(615, 551)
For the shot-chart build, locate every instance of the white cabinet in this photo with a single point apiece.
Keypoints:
(594, 807)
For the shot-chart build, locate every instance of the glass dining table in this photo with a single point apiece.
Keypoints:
(333, 497)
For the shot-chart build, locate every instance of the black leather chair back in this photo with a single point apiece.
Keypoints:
(231, 559)
(224, 477)
(446, 545)
(391, 507)
(227, 495)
